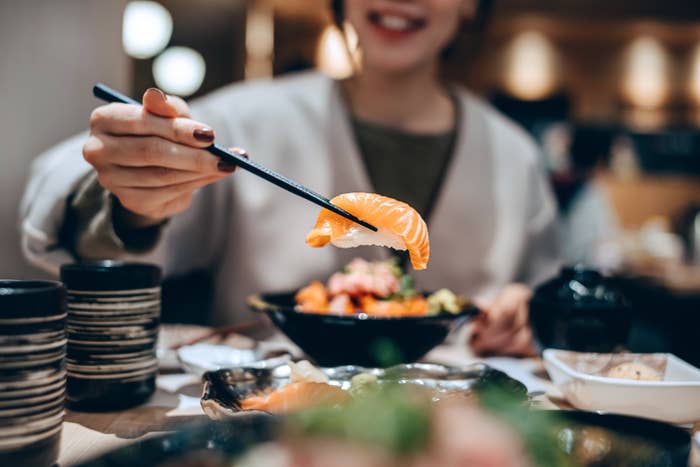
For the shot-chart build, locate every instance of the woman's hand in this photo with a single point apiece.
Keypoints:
(502, 328)
(151, 158)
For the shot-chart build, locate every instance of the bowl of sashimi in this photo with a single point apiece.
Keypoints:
(369, 313)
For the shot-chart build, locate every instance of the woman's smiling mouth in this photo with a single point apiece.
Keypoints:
(395, 25)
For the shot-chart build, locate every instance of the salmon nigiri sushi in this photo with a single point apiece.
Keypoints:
(399, 226)
(297, 396)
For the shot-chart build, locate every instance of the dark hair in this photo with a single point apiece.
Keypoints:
(465, 43)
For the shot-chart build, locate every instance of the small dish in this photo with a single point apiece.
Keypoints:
(173, 336)
(200, 358)
(583, 379)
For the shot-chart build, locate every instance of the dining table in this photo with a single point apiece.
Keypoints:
(175, 404)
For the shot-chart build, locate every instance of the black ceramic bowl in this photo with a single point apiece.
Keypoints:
(333, 340)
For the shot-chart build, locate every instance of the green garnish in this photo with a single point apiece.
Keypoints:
(387, 418)
(407, 286)
(393, 264)
(443, 300)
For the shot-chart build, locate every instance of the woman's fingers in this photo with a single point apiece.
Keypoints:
(517, 342)
(521, 344)
(158, 103)
(153, 192)
(147, 177)
(147, 151)
(502, 328)
(176, 205)
(508, 310)
(132, 120)
(160, 203)
(502, 318)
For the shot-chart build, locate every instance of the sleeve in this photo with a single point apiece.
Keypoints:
(542, 258)
(53, 177)
(91, 230)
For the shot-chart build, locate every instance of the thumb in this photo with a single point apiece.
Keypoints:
(156, 102)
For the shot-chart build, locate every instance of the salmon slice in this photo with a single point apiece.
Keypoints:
(399, 226)
(313, 298)
(297, 396)
(413, 306)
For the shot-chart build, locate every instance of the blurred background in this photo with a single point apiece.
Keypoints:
(609, 88)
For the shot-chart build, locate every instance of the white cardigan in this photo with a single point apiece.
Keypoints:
(493, 223)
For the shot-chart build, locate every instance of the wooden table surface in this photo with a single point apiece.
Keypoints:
(87, 435)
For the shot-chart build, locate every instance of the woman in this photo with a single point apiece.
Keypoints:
(149, 191)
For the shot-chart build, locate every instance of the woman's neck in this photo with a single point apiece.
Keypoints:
(415, 102)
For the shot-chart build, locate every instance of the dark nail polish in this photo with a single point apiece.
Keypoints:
(205, 135)
(159, 92)
(227, 167)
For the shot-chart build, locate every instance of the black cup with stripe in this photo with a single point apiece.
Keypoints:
(113, 319)
(32, 371)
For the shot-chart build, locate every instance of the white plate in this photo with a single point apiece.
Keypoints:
(200, 358)
(580, 377)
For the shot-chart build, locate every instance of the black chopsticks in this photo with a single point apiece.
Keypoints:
(104, 92)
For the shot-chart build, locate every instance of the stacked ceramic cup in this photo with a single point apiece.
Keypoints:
(32, 371)
(113, 317)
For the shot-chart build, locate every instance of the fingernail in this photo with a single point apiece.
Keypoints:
(205, 135)
(224, 166)
(162, 94)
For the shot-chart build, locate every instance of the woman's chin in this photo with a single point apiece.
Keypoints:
(394, 64)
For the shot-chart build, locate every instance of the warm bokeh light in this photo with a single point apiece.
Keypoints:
(646, 81)
(179, 71)
(531, 70)
(695, 75)
(332, 55)
(353, 44)
(146, 29)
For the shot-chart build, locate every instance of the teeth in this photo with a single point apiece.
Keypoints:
(396, 23)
